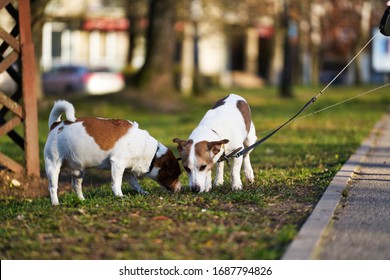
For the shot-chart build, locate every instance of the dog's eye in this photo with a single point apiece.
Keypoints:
(203, 167)
(187, 169)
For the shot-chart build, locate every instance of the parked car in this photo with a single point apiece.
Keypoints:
(66, 79)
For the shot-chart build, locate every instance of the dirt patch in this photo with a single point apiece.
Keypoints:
(19, 185)
(22, 186)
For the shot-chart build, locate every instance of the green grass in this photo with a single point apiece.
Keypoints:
(292, 170)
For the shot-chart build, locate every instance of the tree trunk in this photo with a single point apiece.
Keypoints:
(132, 35)
(362, 37)
(285, 86)
(157, 74)
(197, 86)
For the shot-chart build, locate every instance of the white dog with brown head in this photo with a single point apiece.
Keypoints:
(118, 145)
(227, 126)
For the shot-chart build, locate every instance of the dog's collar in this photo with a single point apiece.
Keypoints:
(154, 158)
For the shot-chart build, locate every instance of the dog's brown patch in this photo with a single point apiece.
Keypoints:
(184, 148)
(169, 172)
(219, 103)
(105, 132)
(246, 113)
(66, 122)
(202, 152)
(54, 125)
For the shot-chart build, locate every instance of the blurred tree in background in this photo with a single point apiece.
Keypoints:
(157, 72)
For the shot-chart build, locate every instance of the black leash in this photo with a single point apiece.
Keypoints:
(384, 28)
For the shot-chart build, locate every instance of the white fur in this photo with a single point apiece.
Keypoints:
(223, 122)
(59, 108)
(70, 147)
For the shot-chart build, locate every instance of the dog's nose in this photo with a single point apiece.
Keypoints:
(195, 188)
(177, 187)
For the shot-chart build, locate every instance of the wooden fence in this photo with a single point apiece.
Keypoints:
(19, 107)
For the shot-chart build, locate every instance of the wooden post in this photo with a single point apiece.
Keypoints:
(20, 41)
(29, 90)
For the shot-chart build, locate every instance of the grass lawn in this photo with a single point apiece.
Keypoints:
(292, 169)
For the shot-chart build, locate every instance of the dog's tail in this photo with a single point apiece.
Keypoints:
(60, 107)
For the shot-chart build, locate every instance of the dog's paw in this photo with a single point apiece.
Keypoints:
(143, 192)
(218, 182)
(250, 178)
(236, 187)
(249, 175)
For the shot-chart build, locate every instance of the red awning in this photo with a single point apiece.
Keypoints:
(106, 24)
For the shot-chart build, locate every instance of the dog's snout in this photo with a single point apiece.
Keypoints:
(195, 188)
(177, 187)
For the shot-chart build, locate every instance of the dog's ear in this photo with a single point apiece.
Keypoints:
(173, 166)
(215, 146)
(180, 143)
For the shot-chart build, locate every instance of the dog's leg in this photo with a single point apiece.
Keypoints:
(235, 173)
(77, 180)
(208, 182)
(248, 170)
(218, 180)
(133, 181)
(52, 172)
(116, 177)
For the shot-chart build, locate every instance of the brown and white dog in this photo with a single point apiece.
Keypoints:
(119, 145)
(224, 128)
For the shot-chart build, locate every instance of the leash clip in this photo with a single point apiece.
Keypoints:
(224, 158)
(227, 157)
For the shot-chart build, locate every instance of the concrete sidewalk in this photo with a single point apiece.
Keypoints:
(352, 219)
